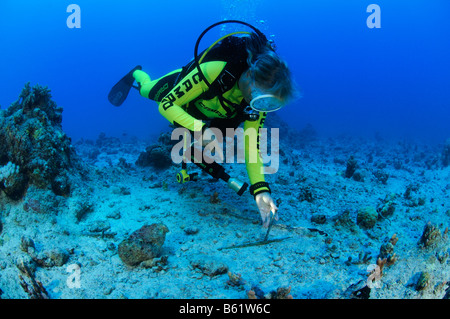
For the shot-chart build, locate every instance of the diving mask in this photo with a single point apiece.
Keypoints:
(266, 103)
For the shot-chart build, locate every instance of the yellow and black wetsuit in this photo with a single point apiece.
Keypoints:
(184, 98)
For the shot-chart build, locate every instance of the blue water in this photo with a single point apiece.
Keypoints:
(393, 80)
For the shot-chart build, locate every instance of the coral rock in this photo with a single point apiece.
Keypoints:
(283, 293)
(209, 266)
(191, 230)
(352, 165)
(235, 280)
(367, 217)
(251, 294)
(12, 181)
(56, 257)
(26, 243)
(32, 138)
(318, 218)
(423, 281)
(359, 290)
(431, 236)
(156, 155)
(358, 176)
(143, 244)
(344, 219)
(387, 207)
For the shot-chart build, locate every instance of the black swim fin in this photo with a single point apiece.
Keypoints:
(119, 92)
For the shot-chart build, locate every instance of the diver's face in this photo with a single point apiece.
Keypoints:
(255, 96)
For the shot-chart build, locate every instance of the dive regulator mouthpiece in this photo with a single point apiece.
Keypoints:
(238, 186)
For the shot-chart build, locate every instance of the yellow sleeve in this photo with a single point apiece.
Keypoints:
(253, 159)
(189, 88)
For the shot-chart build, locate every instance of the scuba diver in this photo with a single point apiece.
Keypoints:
(215, 90)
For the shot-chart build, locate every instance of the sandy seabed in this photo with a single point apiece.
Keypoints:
(330, 252)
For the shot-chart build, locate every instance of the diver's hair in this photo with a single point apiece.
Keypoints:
(268, 70)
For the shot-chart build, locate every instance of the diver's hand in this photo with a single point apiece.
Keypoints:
(266, 207)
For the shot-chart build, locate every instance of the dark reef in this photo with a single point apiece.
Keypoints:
(157, 155)
(33, 147)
